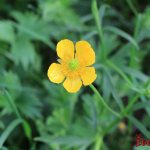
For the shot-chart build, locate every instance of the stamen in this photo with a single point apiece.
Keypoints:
(73, 64)
(59, 60)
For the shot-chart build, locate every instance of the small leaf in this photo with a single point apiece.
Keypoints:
(27, 129)
(1, 125)
(23, 52)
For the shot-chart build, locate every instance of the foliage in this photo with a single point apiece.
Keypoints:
(40, 115)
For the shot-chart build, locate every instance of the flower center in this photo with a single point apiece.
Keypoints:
(73, 64)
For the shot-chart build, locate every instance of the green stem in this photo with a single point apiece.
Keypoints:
(103, 101)
(133, 62)
(113, 123)
(12, 104)
(124, 113)
(137, 26)
(129, 106)
(98, 143)
(16, 111)
(129, 83)
(99, 26)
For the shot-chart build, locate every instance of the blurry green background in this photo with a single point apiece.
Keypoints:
(53, 118)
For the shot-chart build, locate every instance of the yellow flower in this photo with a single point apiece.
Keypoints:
(74, 65)
(122, 126)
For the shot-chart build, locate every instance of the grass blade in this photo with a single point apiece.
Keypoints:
(141, 105)
(140, 126)
(12, 104)
(8, 130)
(122, 34)
(98, 22)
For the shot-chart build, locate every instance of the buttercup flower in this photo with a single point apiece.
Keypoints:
(74, 65)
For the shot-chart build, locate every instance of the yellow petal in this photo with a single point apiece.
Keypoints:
(55, 74)
(72, 85)
(88, 75)
(65, 49)
(84, 53)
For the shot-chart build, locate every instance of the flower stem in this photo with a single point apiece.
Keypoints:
(98, 22)
(98, 143)
(103, 101)
(129, 106)
(124, 113)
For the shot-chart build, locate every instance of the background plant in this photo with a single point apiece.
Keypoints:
(37, 114)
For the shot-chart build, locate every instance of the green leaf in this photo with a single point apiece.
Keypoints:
(3, 60)
(10, 81)
(95, 12)
(145, 100)
(141, 105)
(12, 103)
(136, 74)
(120, 56)
(33, 27)
(4, 148)
(57, 16)
(23, 52)
(122, 34)
(141, 148)
(102, 11)
(109, 81)
(140, 126)
(144, 34)
(59, 96)
(59, 120)
(69, 141)
(27, 129)
(8, 131)
(89, 35)
(6, 31)
(90, 109)
(145, 19)
(29, 105)
(110, 44)
(106, 85)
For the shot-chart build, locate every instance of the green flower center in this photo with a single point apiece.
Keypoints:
(73, 64)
